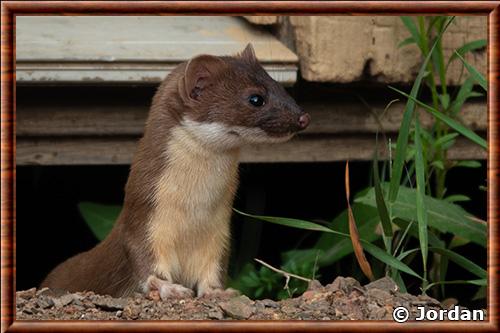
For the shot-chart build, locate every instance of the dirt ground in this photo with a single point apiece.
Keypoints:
(344, 299)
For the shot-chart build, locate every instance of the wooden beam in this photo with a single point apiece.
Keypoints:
(327, 118)
(119, 150)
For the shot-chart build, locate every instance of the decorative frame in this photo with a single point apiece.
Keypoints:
(9, 10)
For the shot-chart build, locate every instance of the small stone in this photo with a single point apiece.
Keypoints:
(343, 284)
(238, 308)
(449, 303)
(20, 302)
(27, 294)
(44, 302)
(216, 314)
(132, 311)
(309, 295)
(28, 310)
(64, 300)
(111, 304)
(269, 303)
(380, 295)
(119, 313)
(43, 291)
(289, 310)
(314, 285)
(385, 283)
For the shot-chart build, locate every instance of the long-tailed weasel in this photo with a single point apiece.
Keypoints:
(174, 229)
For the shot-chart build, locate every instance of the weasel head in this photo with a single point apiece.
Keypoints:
(232, 101)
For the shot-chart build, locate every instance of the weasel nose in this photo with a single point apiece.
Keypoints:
(304, 120)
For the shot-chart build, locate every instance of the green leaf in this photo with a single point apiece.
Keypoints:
(405, 254)
(388, 259)
(442, 215)
(478, 77)
(445, 139)
(471, 46)
(457, 242)
(381, 206)
(433, 239)
(402, 140)
(407, 41)
(449, 121)
(479, 282)
(367, 246)
(412, 28)
(335, 247)
(420, 194)
(438, 164)
(445, 100)
(457, 198)
(464, 93)
(461, 261)
(289, 222)
(100, 218)
(399, 281)
(480, 294)
(468, 164)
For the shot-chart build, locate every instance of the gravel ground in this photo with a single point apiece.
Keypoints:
(344, 299)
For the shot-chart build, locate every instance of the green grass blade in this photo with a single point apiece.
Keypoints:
(443, 216)
(412, 28)
(99, 218)
(289, 222)
(367, 246)
(406, 253)
(478, 282)
(448, 121)
(464, 93)
(478, 77)
(471, 46)
(389, 259)
(336, 247)
(407, 41)
(421, 209)
(399, 281)
(404, 130)
(461, 261)
(381, 206)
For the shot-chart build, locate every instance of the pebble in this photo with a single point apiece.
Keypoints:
(385, 283)
(44, 302)
(111, 304)
(238, 308)
(27, 294)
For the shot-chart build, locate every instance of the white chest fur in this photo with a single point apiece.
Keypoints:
(189, 228)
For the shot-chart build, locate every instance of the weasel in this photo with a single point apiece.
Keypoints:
(173, 232)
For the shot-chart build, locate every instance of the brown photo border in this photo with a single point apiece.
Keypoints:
(9, 9)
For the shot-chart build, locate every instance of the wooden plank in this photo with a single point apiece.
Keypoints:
(94, 49)
(333, 118)
(119, 150)
(147, 38)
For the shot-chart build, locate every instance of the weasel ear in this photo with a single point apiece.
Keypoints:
(199, 74)
(248, 53)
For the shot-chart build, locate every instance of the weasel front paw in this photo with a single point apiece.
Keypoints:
(166, 289)
(218, 293)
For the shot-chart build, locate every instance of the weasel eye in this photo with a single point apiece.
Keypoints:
(256, 100)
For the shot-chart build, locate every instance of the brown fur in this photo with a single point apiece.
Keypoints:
(176, 216)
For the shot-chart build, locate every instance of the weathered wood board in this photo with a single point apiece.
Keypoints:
(135, 49)
(65, 120)
(305, 148)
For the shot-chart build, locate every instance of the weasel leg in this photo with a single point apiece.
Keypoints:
(167, 289)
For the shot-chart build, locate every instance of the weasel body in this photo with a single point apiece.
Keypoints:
(174, 229)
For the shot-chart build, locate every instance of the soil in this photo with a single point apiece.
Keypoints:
(344, 299)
